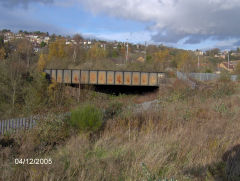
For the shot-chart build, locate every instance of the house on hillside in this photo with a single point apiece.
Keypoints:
(235, 54)
(9, 36)
(19, 36)
(220, 55)
(140, 59)
(199, 53)
(46, 39)
(227, 67)
(232, 65)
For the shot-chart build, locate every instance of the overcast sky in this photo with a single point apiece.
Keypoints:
(188, 24)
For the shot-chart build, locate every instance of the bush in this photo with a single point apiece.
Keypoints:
(208, 70)
(238, 77)
(87, 118)
(113, 109)
(225, 77)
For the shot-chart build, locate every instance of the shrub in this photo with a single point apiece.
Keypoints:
(87, 118)
(113, 109)
(225, 77)
(208, 70)
(238, 77)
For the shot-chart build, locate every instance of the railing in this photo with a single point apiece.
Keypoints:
(15, 125)
(184, 77)
(105, 77)
(203, 76)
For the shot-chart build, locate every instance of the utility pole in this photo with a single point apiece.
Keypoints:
(198, 62)
(74, 55)
(127, 53)
(145, 51)
(228, 61)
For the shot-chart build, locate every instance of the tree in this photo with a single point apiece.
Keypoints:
(53, 37)
(43, 44)
(61, 45)
(52, 50)
(1, 41)
(95, 52)
(41, 62)
(6, 31)
(57, 49)
(78, 38)
(2, 53)
(122, 50)
(185, 61)
(25, 49)
(15, 71)
(213, 52)
(162, 57)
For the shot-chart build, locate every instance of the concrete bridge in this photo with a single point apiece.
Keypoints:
(106, 77)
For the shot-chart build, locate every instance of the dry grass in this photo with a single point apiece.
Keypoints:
(185, 139)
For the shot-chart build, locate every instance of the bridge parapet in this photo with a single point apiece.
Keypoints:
(105, 77)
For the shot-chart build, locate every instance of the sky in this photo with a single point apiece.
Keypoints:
(187, 24)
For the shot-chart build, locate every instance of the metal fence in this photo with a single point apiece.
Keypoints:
(15, 125)
(185, 77)
(203, 76)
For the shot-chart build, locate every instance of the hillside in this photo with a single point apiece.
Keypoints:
(191, 135)
(175, 132)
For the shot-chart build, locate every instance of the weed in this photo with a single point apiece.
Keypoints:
(152, 177)
(87, 118)
(221, 108)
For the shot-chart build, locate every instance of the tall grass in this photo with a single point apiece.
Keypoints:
(191, 137)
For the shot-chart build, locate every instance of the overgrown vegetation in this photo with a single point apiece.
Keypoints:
(182, 139)
(189, 134)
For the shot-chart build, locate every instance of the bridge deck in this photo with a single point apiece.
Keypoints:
(105, 77)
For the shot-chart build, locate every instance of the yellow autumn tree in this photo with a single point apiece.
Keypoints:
(61, 43)
(185, 61)
(122, 50)
(42, 61)
(57, 49)
(52, 50)
(96, 52)
(162, 57)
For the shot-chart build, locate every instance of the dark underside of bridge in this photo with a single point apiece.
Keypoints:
(119, 89)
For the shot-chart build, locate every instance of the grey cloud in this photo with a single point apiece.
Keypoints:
(168, 36)
(195, 20)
